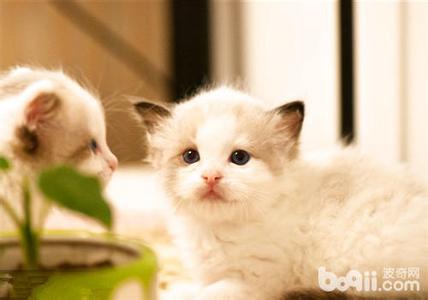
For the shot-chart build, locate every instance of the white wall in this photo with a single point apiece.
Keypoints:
(290, 52)
(392, 81)
(379, 89)
(416, 80)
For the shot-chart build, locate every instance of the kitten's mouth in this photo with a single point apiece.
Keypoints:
(212, 195)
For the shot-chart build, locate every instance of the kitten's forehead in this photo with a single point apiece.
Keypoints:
(219, 121)
(217, 134)
(84, 114)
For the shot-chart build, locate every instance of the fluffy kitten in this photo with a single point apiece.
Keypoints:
(46, 118)
(255, 220)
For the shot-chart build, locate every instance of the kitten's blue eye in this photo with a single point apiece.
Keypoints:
(93, 145)
(191, 156)
(240, 157)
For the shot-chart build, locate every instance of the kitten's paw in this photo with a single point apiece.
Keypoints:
(224, 290)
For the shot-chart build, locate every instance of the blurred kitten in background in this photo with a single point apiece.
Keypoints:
(256, 220)
(46, 118)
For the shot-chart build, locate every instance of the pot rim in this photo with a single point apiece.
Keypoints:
(136, 248)
(78, 236)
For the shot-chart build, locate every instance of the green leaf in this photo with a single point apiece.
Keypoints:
(79, 193)
(4, 163)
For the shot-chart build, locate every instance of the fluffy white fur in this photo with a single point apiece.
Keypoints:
(46, 118)
(280, 216)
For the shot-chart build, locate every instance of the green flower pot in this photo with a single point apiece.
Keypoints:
(77, 266)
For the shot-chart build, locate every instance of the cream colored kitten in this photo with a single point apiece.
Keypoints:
(256, 220)
(46, 118)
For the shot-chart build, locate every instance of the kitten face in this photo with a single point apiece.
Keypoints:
(53, 120)
(221, 152)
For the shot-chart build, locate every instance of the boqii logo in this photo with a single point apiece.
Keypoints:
(394, 279)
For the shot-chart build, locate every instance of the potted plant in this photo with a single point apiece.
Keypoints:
(63, 265)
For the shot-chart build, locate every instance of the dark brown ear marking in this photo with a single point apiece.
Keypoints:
(292, 107)
(28, 140)
(292, 115)
(151, 114)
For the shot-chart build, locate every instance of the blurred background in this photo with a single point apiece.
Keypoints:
(360, 66)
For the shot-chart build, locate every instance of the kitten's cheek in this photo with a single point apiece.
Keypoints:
(186, 185)
(184, 191)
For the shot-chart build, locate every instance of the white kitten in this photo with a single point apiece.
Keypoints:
(46, 118)
(255, 220)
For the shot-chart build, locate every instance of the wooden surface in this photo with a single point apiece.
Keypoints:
(37, 33)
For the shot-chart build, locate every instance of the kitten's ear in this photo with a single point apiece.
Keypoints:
(42, 103)
(292, 115)
(152, 113)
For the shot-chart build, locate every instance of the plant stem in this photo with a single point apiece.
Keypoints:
(30, 246)
(30, 238)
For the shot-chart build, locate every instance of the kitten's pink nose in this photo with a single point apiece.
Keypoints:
(212, 177)
(112, 162)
